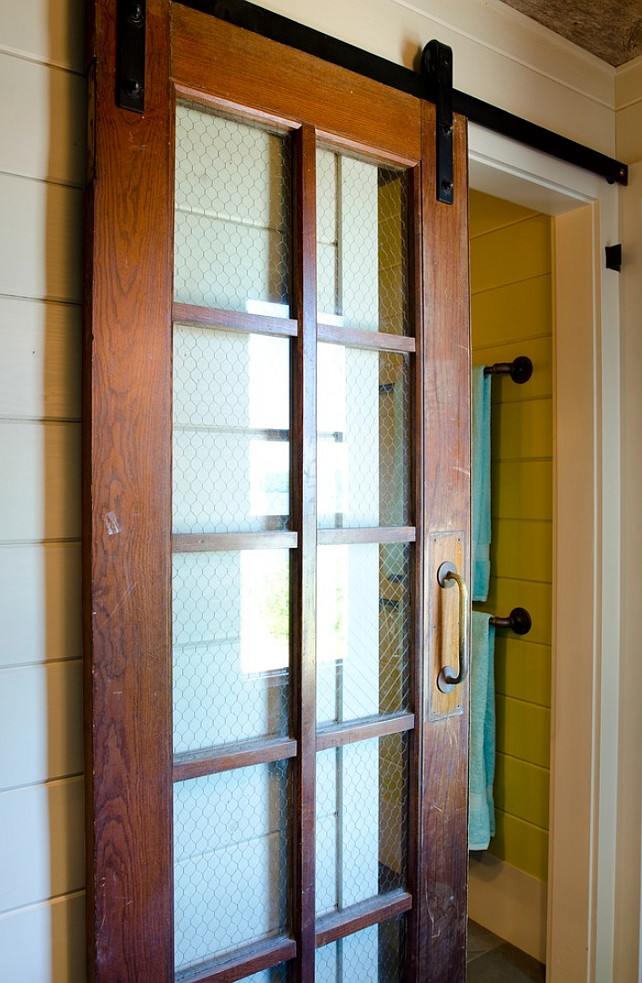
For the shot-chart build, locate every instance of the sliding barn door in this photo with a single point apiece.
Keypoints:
(277, 465)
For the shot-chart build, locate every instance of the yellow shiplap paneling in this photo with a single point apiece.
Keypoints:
(521, 844)
(511, 312)
(522, 669)
(512, 316)
(512, 254)
(524, 788)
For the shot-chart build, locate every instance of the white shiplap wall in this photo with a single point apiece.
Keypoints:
(42, 93)
(499, 56)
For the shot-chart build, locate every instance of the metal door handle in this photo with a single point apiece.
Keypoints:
(447, 576)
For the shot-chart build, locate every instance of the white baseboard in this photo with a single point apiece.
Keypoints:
(509, 903)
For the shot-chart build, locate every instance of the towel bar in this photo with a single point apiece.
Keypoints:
(519, 621)
(520, 370)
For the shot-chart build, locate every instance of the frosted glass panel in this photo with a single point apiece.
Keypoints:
(231, 431)
(230, 860)
(374, 955)
(361, 821)
(232, 212)
(363, 434)
(362, 254)
(231, 647)
(363, 632)
(278, 974)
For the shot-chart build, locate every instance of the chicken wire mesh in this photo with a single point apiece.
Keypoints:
(361, 807)
(362, 253)
(363, 422)
(232, 212)
(231, 834)
(363, 630)
(373, 955)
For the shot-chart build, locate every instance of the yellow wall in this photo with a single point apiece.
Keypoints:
(511, 316)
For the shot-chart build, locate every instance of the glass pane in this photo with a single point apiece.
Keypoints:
(231, 431)
(230, 860)
(373, 955)
(362, 254)
(363, 630)
(362, 799)
(363, 437)
(232, 213)
(231, 647)
(277, 974)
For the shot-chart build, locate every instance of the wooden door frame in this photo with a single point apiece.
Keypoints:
(127, 542)
(581, 920)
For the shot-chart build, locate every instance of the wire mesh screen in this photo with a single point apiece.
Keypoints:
(231, 647)
(230, 860)
(363, 630)
(232, 213)
(362, 252)
(231, 431)
(363, 420)
(373, 955)
(277, 974)
(362, 798)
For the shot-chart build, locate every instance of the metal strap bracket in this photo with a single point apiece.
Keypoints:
(130, 69)
(437, 72)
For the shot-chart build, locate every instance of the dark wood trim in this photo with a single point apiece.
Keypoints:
(303, 607)
(338, 735)
(233, 541)
(357, 338)
(127, 516)
(366, 534)
(211, 317)
(242, 963)
(339, 924)
(213, 761)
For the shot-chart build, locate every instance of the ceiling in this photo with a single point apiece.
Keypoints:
(610, 29)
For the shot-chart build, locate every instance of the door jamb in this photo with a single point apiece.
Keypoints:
(583, 819)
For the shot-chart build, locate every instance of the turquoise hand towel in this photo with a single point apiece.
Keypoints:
(481, 483)
(481, 817)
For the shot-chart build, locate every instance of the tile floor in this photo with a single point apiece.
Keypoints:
(492, 960)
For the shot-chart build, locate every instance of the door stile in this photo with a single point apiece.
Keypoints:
(442, 938)
(415, 851)
(304, 570)
(127, 509)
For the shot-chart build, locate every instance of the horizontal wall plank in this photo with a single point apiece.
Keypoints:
(41, 842)
(504, 390)
(44, 943)
(522, 669)
(40, 249)
(523, 730)
(42, 500)
(522, 549)
(514, 312)
(487, 213)
(47, 30)
(515, 253)
(504, 594)
(522, 430)
(40, 367)
(521, 844)
(522, 490)
(522, 789)
(41, 711)
(46, 123)
(40, 603)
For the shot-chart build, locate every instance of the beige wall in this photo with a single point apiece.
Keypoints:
(499, 56)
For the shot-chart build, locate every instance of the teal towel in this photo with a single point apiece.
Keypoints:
(481, 817)
(481, 483)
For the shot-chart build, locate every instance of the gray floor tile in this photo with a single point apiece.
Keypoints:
(505, 964)
(480, 940)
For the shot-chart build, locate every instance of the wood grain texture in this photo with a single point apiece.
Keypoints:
(444, 836)
(356, 338)
(234, 320)
(287, 85)
(127, 513)
(196, 764)
(339, 924)
(235, 966)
